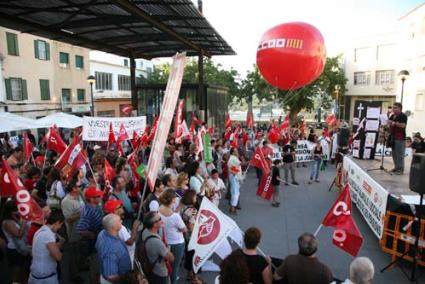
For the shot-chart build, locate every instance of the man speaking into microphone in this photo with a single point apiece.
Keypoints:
(397, 127)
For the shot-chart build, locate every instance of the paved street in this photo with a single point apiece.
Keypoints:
(302, 209)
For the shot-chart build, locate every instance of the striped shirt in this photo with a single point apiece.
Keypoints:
(90, 220)
(113, 255)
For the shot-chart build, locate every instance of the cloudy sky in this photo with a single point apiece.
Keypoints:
(242, 22)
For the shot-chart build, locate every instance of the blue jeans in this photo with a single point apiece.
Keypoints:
(178, 252)
(234, 190)
(315, 168)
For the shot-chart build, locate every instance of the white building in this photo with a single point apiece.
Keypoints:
(372, 65)
(112, 90)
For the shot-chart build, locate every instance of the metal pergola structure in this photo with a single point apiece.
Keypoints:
(131, 28)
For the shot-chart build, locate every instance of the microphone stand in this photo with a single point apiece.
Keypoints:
(381, 167)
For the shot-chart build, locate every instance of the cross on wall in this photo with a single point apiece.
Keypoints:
(360, 108)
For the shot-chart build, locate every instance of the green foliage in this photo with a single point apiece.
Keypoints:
(214, 74)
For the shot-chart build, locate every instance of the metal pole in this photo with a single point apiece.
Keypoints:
(92, 102)
(402, 90)
(134, 97)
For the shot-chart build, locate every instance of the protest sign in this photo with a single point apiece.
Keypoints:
(166, 116)
(388, 151)
(368, 195)
(97, 128)
(302, 151)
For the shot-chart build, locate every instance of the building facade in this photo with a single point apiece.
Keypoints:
(112, 89)
(40, 76)
(372, 66)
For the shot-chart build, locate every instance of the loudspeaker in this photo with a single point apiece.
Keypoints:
(417, 173)
(343, 136)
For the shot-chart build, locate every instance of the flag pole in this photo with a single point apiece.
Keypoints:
(318, 229)
(88, 162)
(45, 157)
(141, 199)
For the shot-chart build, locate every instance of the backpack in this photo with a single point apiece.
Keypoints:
(142, 256)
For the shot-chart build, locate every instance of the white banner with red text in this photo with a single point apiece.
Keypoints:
(97, 128)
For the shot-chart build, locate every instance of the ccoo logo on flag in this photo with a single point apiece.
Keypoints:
(209, 227)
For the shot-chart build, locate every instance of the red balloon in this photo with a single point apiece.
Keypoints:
(291, 55)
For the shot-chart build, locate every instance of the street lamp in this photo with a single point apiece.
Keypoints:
(337, 89)
(403, 75)
(91, 80)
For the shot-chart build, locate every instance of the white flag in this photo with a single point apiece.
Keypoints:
(211, 228)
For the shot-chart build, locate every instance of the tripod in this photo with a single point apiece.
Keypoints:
(412, 250)
(381, 167)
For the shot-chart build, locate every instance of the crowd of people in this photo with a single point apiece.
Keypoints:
(110, 229)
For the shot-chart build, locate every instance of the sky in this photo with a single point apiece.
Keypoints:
(242, 22)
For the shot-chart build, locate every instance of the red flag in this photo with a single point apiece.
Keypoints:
(27, 147)
(111, 136)
(245, 137)
(54, 141)
(273, 135)
(191, 132)
(265, 189)
(285, 124)
(227, 134)
(228, 122)
(109, 173)
(123, 135)
(27, 207)
(144, 140)
(259, 161)
(10, 183)
(249, 120)
(235, 137)
(178, 130)
(72, 159)
(195, 120)
(153, 129)
(331, 120)
(325, 132)
(210, 130)
(127, 109)
(346, 235)
(135, 141)
(133, 165)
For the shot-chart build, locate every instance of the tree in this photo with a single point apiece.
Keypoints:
(214, 74)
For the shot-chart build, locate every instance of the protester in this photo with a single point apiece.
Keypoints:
(156, 251)
(89, 227)
(72, 206)
(182, 184)
(174, 228)
(188, 213)
(17, 253)
(16, 156)
(55, 188)
(151, 203)
(171, 168)
(36, 224)
(276, 182)
(115, 262)
(128, 237)
(46, 251)
(235, 171)
(304, 267)
(361, 271)
(196, 180)
(119, 193)
(397, 127)
(234, 269)
(418, 145)
(317, 153)
(217, 185)
(288, 159)
(259, 267)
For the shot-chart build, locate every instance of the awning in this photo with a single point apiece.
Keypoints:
(62, 120)
(12, 122)
(131, 28)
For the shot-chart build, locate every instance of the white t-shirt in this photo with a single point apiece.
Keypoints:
(43, 264)
(124, 235)
(195, 183)
(172, 224)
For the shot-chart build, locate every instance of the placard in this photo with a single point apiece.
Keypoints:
(97, 128)
(302, 152)
(368, 195)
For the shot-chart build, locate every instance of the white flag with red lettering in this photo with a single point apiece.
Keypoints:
(212, 227)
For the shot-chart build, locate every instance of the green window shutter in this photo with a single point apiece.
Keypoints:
(44, 90)
(24, 89)
(81, 95)
(47, 51)
(79, 61)
(36, 52)
(12, 44)
(8, 89)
